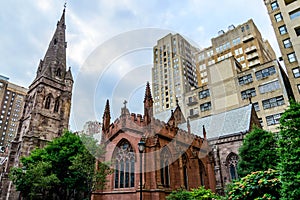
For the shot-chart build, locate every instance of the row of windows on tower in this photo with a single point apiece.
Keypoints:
(48, 103)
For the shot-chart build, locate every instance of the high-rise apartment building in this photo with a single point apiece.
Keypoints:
(173, 72)
(285, 18)
(12, 98)
(244, 42)
(230, 87)
(240, 67)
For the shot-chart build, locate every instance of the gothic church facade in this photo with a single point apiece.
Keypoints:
(47, 106)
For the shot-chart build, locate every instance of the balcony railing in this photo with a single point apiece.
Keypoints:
(250, 49)
(248, 38)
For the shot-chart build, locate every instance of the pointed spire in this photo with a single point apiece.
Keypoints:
(106, 116)
(188, 125)
(177, 104)
(148, 95)
(69, 75)
(54, 63)
(172, 120)
(148, 104)
(204, 132)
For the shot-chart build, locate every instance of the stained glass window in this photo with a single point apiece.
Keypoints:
(124, 165)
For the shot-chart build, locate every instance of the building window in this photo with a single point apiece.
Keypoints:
(203, 94)
(47, 102)
(185, 172)
(248, 93)
(245, 79)
(298, 88)
(202, 173)
(56, 105)
(278, 17)
(124, 165)
(282, 30)
(164, 167)
(287, 43)
(236, 41)
(269, 87)
(274, 5)
(273, 119)
(297, 31)
(265, 72)
(273, 102)
(205, 106)
(296, 72)
(292, 57)
(58, 72)
(232, 162)
(256, 106)
(295, 14)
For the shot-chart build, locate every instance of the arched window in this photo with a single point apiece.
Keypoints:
(164, 167)
(232, 161)
(55, 41)
(56, 105)
(202, 173)
(47, 102)
(185, 173)
(58, 72)
(124, 165)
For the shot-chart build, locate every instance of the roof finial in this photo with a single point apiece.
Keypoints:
(125, 102)
(65, 4)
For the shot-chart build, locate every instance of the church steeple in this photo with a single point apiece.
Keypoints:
(106, 116)
(148, 104)
(54, 63)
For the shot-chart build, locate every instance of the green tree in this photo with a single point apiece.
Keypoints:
(63, 169)
(180, 194)
(256, 186)
(258, 152)
(195, 194)
(289, 152)
(203, 194)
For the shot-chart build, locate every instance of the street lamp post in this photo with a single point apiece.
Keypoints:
(141, 146)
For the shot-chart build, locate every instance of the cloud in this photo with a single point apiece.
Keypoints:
(108, 40)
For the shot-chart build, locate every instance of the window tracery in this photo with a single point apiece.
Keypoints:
(124, 165)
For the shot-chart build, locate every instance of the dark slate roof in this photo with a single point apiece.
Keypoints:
(223, 124)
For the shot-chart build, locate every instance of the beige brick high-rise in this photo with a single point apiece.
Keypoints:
(244, 42)
(238, 66)
(173, 72)
(47, 105)
(285, 18)
(12, 99)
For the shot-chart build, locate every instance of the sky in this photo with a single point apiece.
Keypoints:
(110, 42)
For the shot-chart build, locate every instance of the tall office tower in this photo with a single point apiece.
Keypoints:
(12, 98)
(173, 72)
(285, 18)
(244, 42)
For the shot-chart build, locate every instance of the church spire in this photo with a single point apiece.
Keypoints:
(54, 63)
(106, 116)
(148, 104)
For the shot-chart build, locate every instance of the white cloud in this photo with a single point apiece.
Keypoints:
(98, 26)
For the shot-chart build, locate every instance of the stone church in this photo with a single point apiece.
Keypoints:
(47, 106)
(178, 153)
(173, 158)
